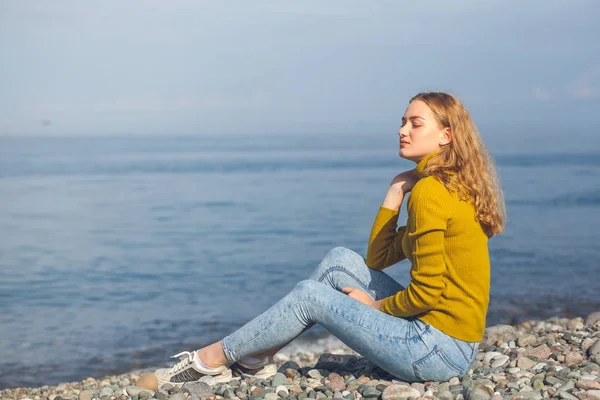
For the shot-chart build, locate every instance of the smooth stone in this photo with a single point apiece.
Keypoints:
(492, 334)
(575, 324)
(566, 396)
(144, 395)
(526, 363)
(271, 396)
(590, 395)
(177, 396)
(106, 391)
(590, 368)
(500, 361)
(567, 386)
(527, 340)
(85, 395)
(530, 395)
(537, 384)
(539, 366)
(542, 352)
(587, 384)
(456, 388)
(454, 381)
(592, 318)
(589, 377)
(490, 356)
(209, 380)
(445, 395)
(279, 379)
(136, 390)
(480, 392)
(200, 389)
(396, 391)
(282, 388)
(161, 395)
(594, 349)
(514, 370)
(288, 365)
(313, 373)
(370, 393)
(551, 380)
(419, 386)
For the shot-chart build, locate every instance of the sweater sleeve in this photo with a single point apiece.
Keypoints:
(429, 209)
(385, 242)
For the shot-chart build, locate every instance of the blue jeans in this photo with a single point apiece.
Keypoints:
(407, 348)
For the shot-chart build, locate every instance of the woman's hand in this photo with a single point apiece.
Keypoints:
(361, 296)
(404, 181)
(401, 184)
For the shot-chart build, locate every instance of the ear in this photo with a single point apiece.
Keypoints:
(445, 136)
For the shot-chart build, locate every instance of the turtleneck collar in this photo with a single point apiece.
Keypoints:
(420, 168)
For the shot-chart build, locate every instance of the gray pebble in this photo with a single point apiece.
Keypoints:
(500, 361)
(371, 392)
(592, 318)
(552, 381)
(160, 395)
(144, 395)
(136, 390)
(200, 389)
(445, 395)
(594, 349)
(315, 374)
(566, 396)
(480, 392)
(530, 395)
(279, 379)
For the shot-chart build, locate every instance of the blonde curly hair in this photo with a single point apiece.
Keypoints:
(464, 164)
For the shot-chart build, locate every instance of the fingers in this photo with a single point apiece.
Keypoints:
(347, 290)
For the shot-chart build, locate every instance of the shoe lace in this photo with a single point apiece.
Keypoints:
(186, 357)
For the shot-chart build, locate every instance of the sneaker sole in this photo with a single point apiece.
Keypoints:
(268, 371)
(223, 377)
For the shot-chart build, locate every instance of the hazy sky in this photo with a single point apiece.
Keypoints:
(72, 67)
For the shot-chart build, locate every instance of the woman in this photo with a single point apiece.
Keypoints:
(429, 330)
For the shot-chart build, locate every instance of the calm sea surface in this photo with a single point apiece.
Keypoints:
(117, 252)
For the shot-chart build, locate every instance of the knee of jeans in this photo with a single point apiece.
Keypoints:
(308, 286)
(339, 256)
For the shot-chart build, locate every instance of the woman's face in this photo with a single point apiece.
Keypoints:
(420, 134)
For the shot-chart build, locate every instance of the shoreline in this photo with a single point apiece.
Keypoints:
(534, 359)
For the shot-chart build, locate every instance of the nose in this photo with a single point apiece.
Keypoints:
(402, 131)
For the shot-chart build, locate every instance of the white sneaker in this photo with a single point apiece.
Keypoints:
(187, 370)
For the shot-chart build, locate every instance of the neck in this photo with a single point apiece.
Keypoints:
(422, 163)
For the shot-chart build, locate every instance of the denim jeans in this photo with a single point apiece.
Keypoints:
(407, 348)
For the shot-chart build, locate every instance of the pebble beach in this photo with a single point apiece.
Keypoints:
(554, 358)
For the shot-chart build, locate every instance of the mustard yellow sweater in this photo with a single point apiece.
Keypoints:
(450, 267)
